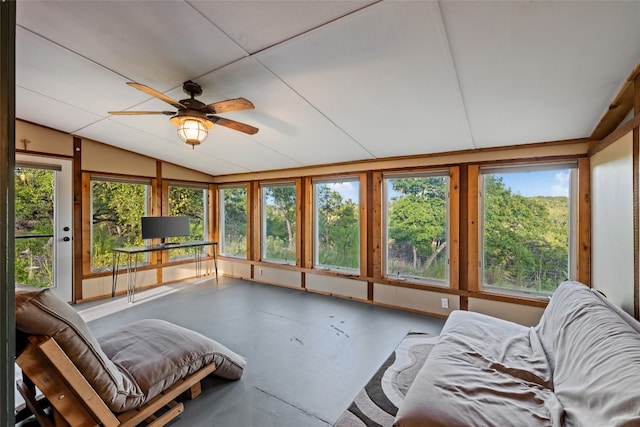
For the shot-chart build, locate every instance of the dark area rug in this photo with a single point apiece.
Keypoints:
(377, 403)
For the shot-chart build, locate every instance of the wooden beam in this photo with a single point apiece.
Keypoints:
(377, 236)
(473, 257)
(454, 227)
(78, 214)
(597, 146)
(307, 210)
(618, 109)
(85, 225)
(364, 234)
(254, 234)
(584, 221)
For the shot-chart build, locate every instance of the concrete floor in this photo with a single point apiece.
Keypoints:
(308, 354)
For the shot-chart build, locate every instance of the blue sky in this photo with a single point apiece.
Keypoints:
(528, 184)
(545, 183)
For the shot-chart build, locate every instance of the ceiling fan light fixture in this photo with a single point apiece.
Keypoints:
(192, 130)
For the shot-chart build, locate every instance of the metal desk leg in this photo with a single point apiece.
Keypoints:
(131, 278)
(198, 256)
(115, 257)
(215, 260)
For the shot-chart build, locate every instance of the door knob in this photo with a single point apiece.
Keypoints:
(66, 239)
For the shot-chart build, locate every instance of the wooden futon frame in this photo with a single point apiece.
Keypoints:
(73, 402)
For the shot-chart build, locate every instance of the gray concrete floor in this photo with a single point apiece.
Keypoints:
(308, 354)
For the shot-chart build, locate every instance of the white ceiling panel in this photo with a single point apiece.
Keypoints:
(37, 108)
(59, 74)
(332, 81)
(256, 25)
(384, 75)
(288, 123)
(540, 71)
(157, 43)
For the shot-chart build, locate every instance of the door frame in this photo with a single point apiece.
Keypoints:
(62, 218)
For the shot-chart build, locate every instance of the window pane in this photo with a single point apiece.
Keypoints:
(417, 227)
(233, 221)
(279, 223)
(34, 211)
(526, 229)
(337, 224)
(191, 202)
(116, 211)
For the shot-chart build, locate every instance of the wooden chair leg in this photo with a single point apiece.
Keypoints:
(28, 394)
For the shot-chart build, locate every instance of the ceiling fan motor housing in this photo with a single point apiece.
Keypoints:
(192, 88)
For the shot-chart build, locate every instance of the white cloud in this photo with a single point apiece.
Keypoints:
(561, 185)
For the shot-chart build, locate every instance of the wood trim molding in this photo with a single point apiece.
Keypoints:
(299, 221)
(84, 222)
(473, 257)
(364, 223)
(254, 207)
(307, 210)
(78, 221)
(584, 221)
(621, 105)
(597, 146)
(377, 218)
(454, 227)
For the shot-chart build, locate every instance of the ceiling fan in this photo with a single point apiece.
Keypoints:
(193, 117)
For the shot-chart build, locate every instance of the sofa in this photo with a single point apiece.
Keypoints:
(580, 366)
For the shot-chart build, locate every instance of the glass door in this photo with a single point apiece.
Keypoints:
(44, 224)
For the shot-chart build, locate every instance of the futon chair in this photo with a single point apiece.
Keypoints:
(130, 376)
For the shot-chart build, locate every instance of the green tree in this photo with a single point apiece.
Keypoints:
(235, 221)
(117, 209)
(34, 189)
(281, 221)
(524, 246)
(338, 229)
(417, 223)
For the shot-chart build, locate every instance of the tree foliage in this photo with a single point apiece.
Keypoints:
(280, 203)
(235, 221)
(417, 227)
(117, 209)
(338, 229)
(525, 239)
(34, 215)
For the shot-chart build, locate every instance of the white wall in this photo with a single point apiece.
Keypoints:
(612, 222)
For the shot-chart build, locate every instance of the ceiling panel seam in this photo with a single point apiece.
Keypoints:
(454, 70)
(293, 37)
(312, 106)
(72, 51)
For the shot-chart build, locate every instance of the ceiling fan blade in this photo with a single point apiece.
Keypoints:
(138, 113)
(155, 93)
(237, 104)
(232, 124)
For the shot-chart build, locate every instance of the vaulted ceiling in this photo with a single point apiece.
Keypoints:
(332, 81)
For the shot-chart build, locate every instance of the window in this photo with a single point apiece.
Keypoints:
(337, 224)
(279, 223)
(116, 209)
(191, 201)
(527, 220)
(233, 221)
(416, 217)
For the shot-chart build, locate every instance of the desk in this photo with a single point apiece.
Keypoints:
(132, 261)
